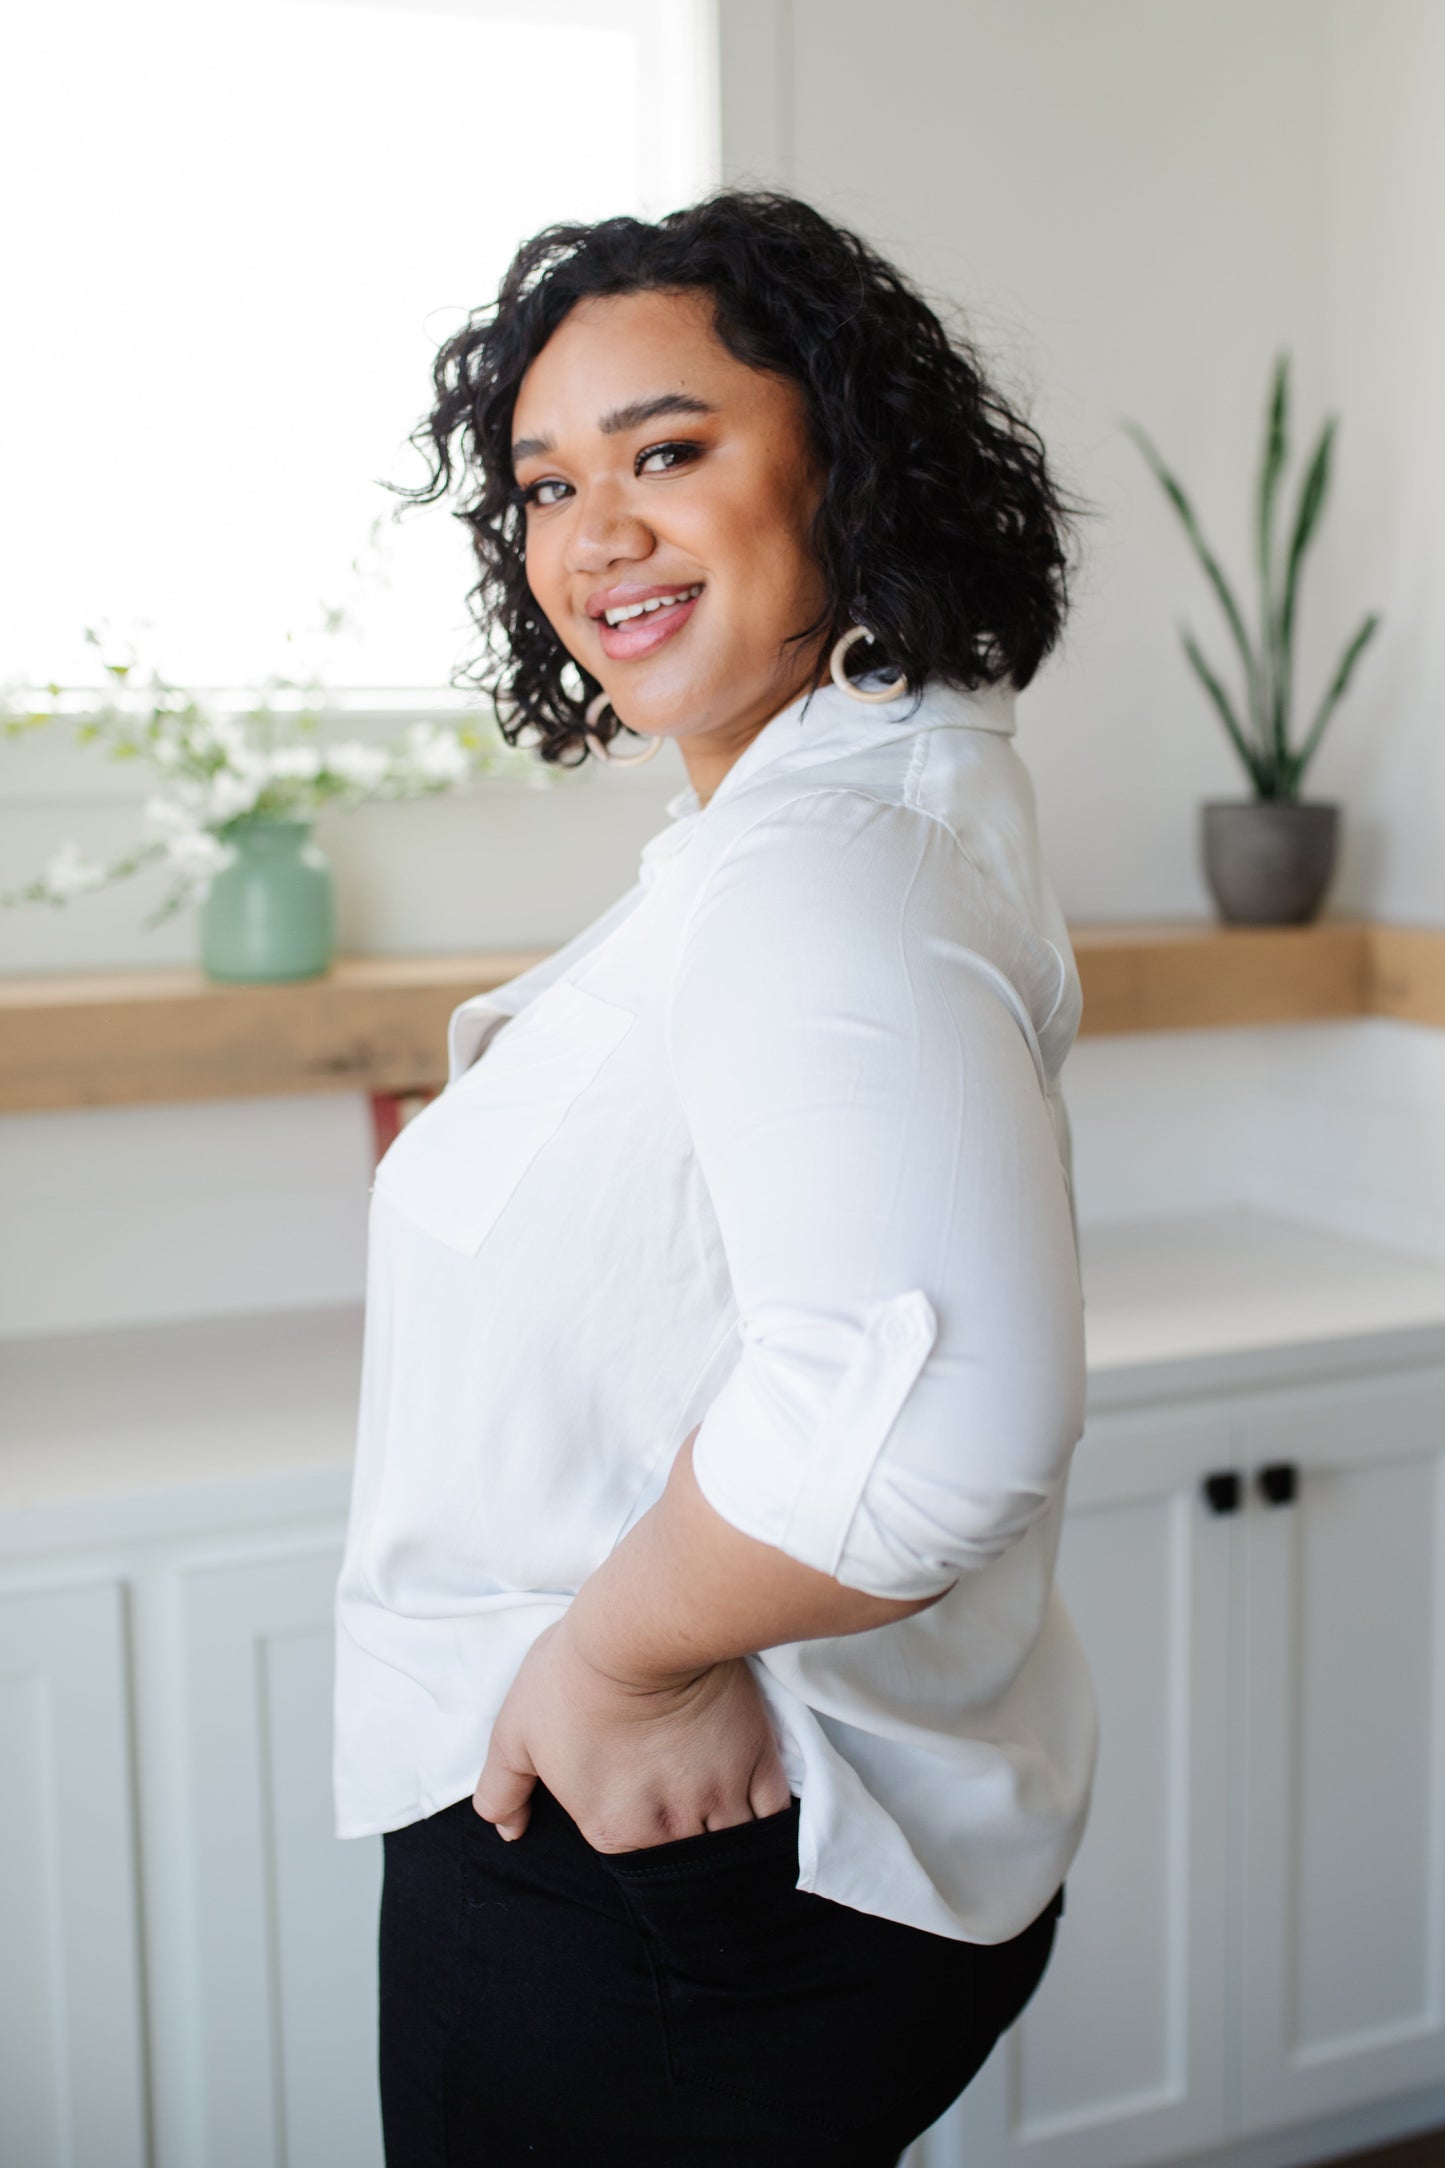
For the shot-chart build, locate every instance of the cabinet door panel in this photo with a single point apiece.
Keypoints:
(1343, 1892)
(71, 2087)
(1119, 2059)
(286, 1914)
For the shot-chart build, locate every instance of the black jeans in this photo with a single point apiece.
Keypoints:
(547, 2005)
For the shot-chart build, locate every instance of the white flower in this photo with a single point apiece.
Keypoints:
(292, 763)
(228, 795)
(68, 874)
(30, 704)
(437, 756)
(362, 766)
(196, 851)
(228, 736)
(167, 813)
(190, 847)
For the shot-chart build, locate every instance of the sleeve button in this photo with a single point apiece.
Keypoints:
(899, 1330)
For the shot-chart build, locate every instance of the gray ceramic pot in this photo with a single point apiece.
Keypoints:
(1268, 861)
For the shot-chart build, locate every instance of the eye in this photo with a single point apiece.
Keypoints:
(536, 492)
(677, 454)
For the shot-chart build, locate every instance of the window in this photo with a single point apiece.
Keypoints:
(236, 232)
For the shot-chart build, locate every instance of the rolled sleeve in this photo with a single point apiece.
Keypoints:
(868, 1111)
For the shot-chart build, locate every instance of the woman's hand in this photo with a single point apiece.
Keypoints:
(633, 1763)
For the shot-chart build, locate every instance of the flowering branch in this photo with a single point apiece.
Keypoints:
(226, 771)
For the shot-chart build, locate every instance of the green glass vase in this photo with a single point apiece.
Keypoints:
(269, 915)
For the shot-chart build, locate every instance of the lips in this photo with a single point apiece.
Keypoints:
(644, 634)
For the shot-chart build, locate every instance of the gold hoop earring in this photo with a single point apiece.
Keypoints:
(845, 684)
(603, 752)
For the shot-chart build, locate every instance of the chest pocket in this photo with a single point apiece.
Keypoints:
(457, 1163)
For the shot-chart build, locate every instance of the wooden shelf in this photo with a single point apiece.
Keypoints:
(135, 1038)
(377, 1024)
(1160, 977)
(1407, 973)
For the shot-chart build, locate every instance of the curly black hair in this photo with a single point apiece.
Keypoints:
(941, 526)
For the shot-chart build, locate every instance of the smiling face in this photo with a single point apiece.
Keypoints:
(668, 490)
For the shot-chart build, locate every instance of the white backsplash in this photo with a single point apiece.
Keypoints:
(1340, 1125)
(139, 1215)
(135, 1215)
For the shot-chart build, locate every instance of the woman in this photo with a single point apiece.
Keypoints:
(698, 1648)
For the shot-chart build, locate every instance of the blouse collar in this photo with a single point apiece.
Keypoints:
(834, 724)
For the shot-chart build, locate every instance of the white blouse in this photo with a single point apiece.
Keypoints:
(777, 1145)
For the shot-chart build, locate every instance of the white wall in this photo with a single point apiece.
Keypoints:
(1136, 205)
(1385, 271)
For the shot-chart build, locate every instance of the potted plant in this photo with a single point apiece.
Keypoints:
(231, 826)
(1268, 859)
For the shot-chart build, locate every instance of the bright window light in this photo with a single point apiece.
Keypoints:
(234, 234)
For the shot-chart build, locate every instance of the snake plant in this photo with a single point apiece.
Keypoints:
(1260, 726)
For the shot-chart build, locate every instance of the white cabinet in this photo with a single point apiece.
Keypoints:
(1341, 1729)
(210, 1850)
(285, 1916)
(72, 2092)
(1254, 1931)
(172, 1504)
(1119, 2060)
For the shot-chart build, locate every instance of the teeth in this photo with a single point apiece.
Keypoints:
(657, 602)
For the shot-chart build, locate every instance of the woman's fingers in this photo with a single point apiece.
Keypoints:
(629, 1765)
(770, 1791)
(504, 1788)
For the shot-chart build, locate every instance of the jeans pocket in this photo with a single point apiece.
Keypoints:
(806, 2010)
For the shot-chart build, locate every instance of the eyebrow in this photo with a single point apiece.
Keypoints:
(622, 418)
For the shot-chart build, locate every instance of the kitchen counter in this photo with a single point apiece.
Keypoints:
(1243, 1298)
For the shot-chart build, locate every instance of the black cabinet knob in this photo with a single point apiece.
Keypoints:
(1278, 1481)
(1222, 1490)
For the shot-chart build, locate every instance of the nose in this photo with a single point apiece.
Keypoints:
(606, 532)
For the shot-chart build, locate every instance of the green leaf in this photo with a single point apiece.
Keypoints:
(1272, 462)
(1337, 688)
(1223, 706)
(1313, 491)
(1175, 493)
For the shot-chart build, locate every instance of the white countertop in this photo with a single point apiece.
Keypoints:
(83, 1414)
(1231, 1283)
(1199, 1304)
